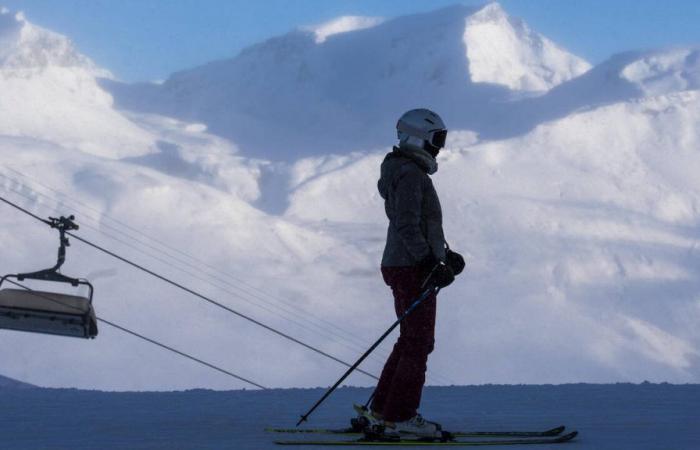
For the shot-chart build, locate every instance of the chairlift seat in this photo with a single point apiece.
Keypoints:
(47, 312)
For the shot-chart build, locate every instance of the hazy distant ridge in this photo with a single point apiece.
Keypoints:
(9, 383)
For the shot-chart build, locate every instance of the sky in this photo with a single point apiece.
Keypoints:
(146, 40)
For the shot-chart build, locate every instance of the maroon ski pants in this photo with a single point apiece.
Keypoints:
(398, 392)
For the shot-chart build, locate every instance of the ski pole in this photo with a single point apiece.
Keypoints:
(414, 305)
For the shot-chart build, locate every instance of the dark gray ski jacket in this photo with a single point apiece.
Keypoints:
(412, 206)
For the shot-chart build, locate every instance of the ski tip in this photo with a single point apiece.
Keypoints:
(555, 431)
(567, 437)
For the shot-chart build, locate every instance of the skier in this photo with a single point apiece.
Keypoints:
(415, 257)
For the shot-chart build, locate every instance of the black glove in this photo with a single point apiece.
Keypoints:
(442, 276)
(436, 273)
(455, 261)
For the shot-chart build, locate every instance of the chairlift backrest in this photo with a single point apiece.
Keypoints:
(49, 312)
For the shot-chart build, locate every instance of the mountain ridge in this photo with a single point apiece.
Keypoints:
(352, 86)
(11, 383)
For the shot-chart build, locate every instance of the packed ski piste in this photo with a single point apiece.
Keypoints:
(417, 263)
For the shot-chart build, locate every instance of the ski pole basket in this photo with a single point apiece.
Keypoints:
(49, 312)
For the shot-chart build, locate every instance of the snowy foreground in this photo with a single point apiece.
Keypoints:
(608, 416)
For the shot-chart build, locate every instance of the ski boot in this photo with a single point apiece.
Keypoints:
(366, 420)
(416, 426)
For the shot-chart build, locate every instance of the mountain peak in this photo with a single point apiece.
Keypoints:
(342, 24)
(491, 11)
(505, 51)
(24, 45)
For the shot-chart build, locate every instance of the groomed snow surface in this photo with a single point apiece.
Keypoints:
(611, 416)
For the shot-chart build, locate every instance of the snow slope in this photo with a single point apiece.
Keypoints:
(202, 193)
(577, 208)
(584, 227)
(616, 417)
(299, 95)
(675, 70)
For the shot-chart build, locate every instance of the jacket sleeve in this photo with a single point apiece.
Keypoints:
(408, 200)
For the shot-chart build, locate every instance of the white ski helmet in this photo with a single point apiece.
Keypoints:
(423, 129)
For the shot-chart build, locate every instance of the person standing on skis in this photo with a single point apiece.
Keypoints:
(415, 257)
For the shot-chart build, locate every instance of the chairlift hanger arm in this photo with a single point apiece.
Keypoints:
(63, 225)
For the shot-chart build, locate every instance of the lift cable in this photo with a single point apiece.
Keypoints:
(193, 292)
(284, 310)
(257, 293)
(152, 341)
(328, 329)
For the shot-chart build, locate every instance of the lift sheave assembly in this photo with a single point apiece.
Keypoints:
(49, 312)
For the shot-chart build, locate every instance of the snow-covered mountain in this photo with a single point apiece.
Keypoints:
(27, 46)
(505, 51)
(50, 91)
(572, 190)
(299, 95)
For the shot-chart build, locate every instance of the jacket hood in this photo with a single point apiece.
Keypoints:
(397, 158)
(421, 157)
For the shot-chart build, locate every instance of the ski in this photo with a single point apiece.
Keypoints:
(547, 433)
(314, 430)
(351, 431)
(426, 443)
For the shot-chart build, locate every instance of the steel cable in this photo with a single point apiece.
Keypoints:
(195, 293)
(147, 339)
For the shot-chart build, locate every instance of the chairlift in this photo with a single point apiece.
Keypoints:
(49, 312)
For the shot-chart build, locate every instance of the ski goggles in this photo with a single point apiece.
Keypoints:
(438, 138)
